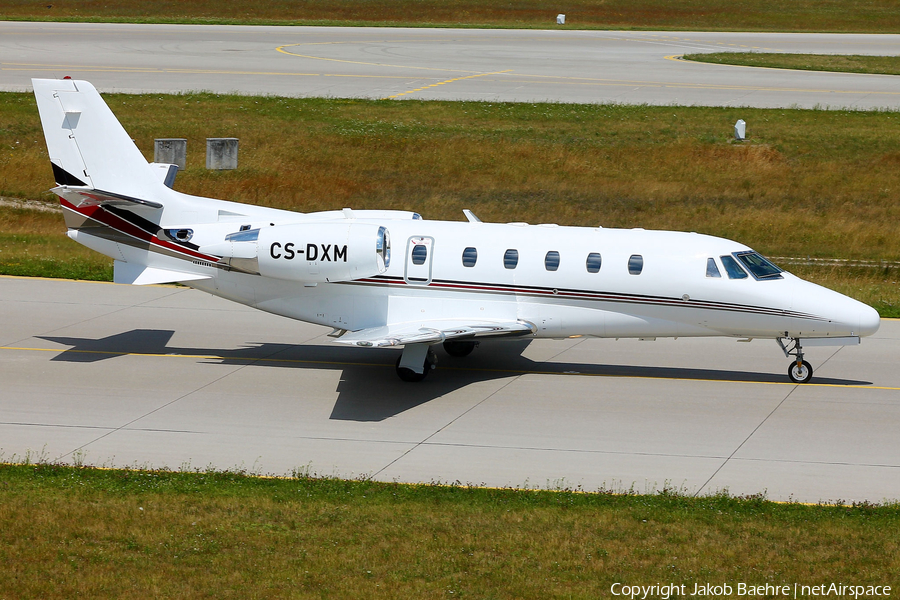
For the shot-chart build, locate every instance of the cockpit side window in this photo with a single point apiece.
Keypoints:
(711, 269)
(732, 267)
(758, 266)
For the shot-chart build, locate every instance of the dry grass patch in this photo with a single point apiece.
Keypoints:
(813, 182)
(69, 532)
(34, 243)
(806, 183)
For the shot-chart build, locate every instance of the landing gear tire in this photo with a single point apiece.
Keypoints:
(411, 376)
(799, 370)
(459, 349)
(800, 373)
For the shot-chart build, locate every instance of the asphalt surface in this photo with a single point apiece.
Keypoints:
(446, 64)
(159, 376)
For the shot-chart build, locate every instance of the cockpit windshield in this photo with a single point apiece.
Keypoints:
(758, 266)
(732, 267)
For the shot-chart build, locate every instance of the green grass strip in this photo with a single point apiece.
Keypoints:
(67, 531)
(854, 63)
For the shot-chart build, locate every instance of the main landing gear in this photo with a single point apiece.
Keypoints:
(418, 360)
(459, 349)
(799, 370)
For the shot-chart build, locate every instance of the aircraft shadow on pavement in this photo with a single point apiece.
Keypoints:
(369, 389)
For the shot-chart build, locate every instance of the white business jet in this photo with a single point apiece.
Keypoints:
(389, 278)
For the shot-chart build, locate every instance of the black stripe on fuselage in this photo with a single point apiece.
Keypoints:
(577, 294)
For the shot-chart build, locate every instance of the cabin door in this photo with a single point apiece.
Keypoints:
(419, 254)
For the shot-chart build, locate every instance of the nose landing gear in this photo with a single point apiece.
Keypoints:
(799, 370)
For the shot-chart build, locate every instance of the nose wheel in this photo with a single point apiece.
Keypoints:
(799, 370)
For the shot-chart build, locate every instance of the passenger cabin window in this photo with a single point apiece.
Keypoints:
(511, 259)
(470, 257)
(551, 261)
(635, 264)
(419, 254)
(593, 262)
(732, 267)
(711, 269)
(758, 266)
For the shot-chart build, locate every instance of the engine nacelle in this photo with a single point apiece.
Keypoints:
(309, 252)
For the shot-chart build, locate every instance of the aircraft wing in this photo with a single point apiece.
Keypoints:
(431, 332)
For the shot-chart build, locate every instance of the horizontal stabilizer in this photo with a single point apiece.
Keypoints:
(137, 274)
(166, 173)
(432, 332)
(97, 198)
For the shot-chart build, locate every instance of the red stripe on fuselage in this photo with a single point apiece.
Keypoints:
(101, 215)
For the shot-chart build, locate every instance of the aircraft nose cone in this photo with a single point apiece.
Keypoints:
(869, 321)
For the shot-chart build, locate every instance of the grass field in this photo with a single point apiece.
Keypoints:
(845, 63)
(806, 183)
(70, 532)
(715, 15)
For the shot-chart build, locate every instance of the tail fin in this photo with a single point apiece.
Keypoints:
(87, 145)
(113, 200)
(96, 161)
(118, 204)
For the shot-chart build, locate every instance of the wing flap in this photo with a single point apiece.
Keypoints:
(433, 332)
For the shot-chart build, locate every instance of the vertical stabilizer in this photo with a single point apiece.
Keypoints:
(87, 145)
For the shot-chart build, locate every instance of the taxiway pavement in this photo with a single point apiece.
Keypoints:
(161, 376)
(445, 64)
(171, 377)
